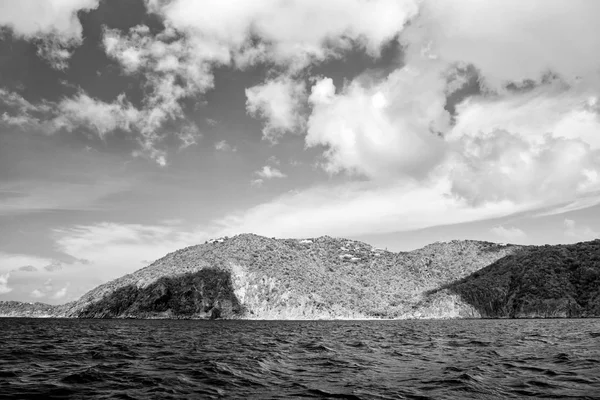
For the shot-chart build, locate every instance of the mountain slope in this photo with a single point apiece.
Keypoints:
(250, 276)
(537, 282)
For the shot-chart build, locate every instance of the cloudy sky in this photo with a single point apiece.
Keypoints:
(132, 128)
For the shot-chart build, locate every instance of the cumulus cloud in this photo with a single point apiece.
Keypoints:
(177, 63)
(580, 233)
(28, 268)
(173, 69)
(171, 72)
(222, 145)
(388, 129)
(61, 293)
(510, 234)
(278, 102)
(30, 18)
(281, 27)
(511, 41)
(53, 24)
(528, 136)
(266, 173)
(36, 294)
(4, 288)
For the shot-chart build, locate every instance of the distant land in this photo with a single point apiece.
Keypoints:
(253, 277)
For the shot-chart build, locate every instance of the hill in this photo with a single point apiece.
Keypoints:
(249, 276)
(535, 282)
(32, 310)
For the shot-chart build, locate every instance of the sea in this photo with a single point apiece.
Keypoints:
(244, 359)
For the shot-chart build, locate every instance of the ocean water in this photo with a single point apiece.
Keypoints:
(141, 359)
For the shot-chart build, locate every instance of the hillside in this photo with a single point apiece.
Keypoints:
(249, 276)
(536, 282)
(33, 310)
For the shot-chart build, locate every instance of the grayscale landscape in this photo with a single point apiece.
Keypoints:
(273, 199)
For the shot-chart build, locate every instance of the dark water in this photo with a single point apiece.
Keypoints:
(479, 359)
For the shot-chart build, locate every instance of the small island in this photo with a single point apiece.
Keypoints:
(253, 277)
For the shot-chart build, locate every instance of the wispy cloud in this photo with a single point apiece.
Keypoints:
(361, 208)
(54, 266)
(98, 118)
(129, 244)
(39, 195)
(189, 135)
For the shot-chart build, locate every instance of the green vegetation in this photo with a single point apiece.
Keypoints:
(537, 282)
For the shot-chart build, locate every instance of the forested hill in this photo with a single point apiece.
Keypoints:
(537, 282)
(251, 276)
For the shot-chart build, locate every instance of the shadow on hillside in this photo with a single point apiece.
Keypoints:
(535, 282)
(205, 294)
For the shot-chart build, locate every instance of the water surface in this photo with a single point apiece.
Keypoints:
(139, 359)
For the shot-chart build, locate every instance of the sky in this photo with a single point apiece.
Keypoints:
(131, 128)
